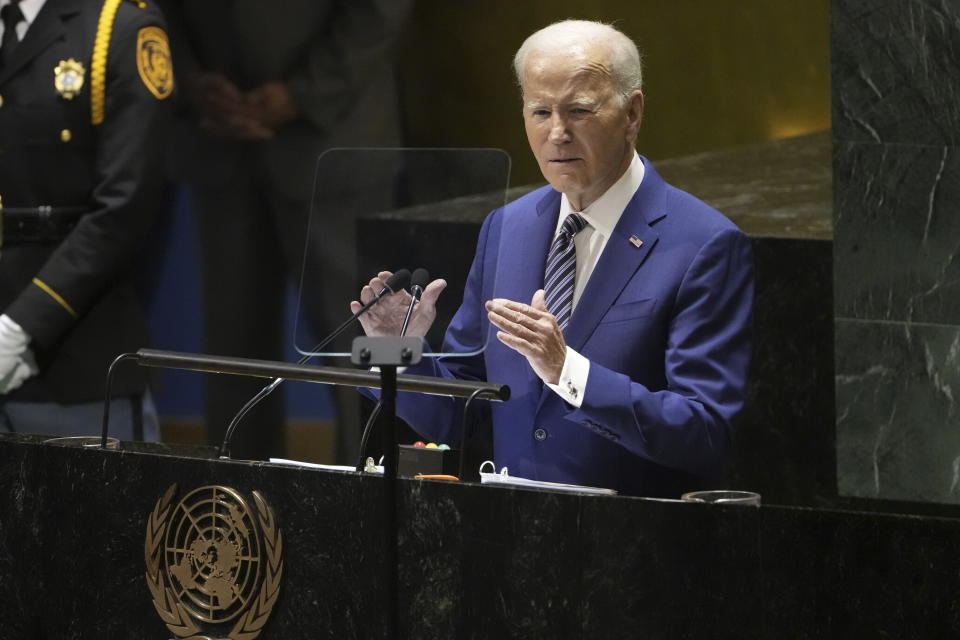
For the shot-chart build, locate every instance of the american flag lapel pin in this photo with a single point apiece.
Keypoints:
(635, 241)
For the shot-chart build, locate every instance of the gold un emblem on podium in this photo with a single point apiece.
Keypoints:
(213, 563)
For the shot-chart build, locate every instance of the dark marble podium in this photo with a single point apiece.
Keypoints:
(474, 561)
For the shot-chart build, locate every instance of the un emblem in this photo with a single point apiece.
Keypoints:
(213, 562)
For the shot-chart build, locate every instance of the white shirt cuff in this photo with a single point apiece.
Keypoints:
(573, 378)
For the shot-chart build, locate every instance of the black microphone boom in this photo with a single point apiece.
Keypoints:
(418, 281)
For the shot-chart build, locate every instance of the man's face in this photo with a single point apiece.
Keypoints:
(579, 129)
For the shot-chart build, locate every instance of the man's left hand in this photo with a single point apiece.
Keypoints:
(532, 331)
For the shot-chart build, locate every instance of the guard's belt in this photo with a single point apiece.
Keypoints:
(38, 224)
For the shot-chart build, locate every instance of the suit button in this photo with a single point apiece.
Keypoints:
(1, 101)
(540, 434)
(65, 135)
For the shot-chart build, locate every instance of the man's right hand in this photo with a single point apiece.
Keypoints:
(386, 317)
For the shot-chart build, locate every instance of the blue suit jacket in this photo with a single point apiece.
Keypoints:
(667, 327)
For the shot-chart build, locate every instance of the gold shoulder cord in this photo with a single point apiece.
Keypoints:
(98, 63)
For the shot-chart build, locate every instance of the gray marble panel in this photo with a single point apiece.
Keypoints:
(897, 233)
(894, 67)
(898, 424)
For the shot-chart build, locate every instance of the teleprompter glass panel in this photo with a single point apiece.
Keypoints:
(384, 210)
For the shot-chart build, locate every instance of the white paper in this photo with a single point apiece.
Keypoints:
(505, 478)
(314, 465)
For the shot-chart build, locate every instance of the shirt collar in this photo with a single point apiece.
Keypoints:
(604, 213)
(30, 9)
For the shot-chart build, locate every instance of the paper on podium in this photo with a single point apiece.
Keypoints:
(504, 477)
(314, 465)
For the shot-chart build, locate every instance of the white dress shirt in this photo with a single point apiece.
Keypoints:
(30, 9)
(602, 217)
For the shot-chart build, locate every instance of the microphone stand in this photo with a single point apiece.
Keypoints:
(388, 353)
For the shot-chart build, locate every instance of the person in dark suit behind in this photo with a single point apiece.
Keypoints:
(83, 88)
(266, 90)
(626, 348)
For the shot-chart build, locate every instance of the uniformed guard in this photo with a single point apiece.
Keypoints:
(83, 89)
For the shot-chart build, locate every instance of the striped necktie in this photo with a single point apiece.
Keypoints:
(561, 270)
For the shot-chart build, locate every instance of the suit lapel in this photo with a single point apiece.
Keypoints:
(46, 29)
(525, 242)
(525, 239)
(620, 258)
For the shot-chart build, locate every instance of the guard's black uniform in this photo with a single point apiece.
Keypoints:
(79, 179)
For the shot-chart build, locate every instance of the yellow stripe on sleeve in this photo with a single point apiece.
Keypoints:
(56, 296)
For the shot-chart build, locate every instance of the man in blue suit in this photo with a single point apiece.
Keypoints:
(626, 348)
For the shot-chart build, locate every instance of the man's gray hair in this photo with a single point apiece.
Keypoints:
(560, 36)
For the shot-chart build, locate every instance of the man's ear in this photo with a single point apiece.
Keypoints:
(634, 114)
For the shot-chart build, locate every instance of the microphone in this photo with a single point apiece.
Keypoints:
(397, 282)
(419, 280)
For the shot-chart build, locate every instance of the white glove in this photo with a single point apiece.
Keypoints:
(16, 359)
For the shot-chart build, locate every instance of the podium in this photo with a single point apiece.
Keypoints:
(475, 561)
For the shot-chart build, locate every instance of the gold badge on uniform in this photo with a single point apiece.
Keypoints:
(153, 61)
(68, 78)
